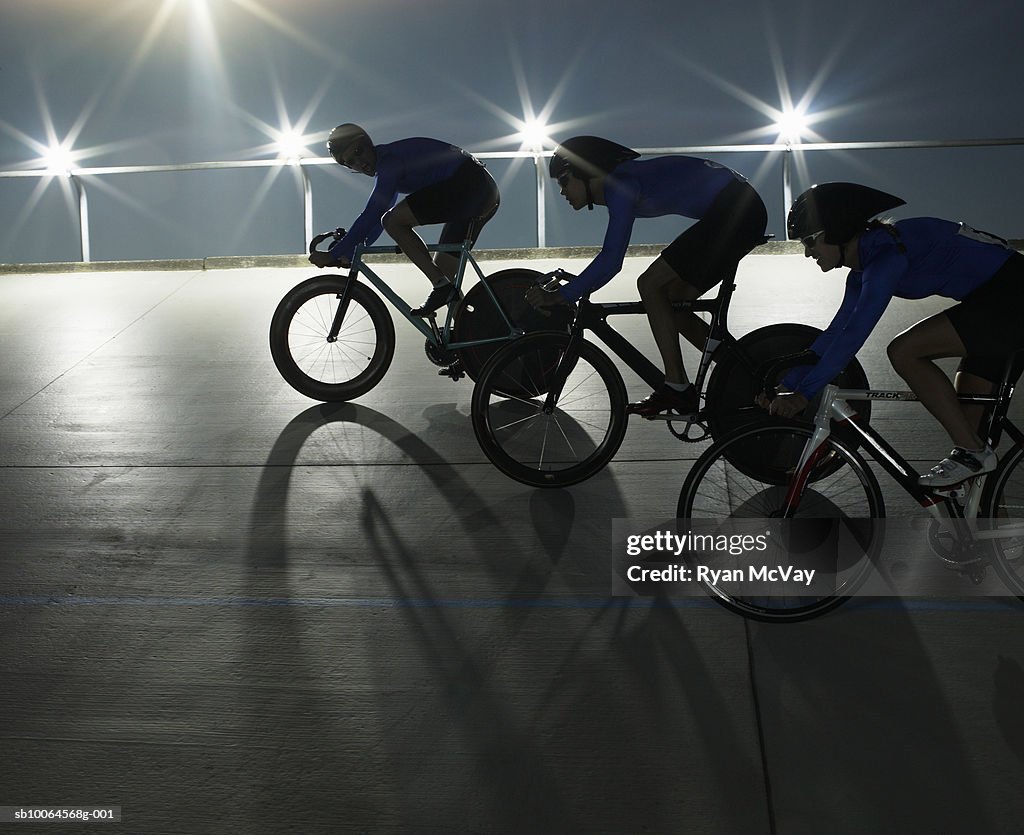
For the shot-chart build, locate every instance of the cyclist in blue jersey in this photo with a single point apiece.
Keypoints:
(913, 259)
(444, 184)
(731, 220)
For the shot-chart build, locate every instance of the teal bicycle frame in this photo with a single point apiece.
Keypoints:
(438, 336)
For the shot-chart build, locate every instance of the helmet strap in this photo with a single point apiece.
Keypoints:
(590, 196)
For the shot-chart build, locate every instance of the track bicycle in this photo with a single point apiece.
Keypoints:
(333, 339)
(549, 409)
(972, 526)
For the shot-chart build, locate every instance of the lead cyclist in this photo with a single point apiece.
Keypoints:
(444, 184)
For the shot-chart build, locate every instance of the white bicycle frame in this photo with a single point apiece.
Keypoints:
(939, 503)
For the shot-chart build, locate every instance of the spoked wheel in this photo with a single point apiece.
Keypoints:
(1004, 505)
(560, 446)
(734, 385)
(324, 369)
(835, 530)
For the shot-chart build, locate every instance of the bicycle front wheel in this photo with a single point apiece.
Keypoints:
(1004, 506)
(318, 367)
(557, 447)
(835, 529)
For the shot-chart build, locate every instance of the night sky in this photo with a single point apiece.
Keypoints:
(151, 82)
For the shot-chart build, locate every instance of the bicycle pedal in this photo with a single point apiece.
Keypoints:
(455, 372)
(957, 491)
(975, 574)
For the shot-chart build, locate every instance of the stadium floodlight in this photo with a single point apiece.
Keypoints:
(534, 134)
(291, 146)
(792, 125)
(59, 159)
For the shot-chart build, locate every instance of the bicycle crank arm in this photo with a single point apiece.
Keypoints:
(691, 418)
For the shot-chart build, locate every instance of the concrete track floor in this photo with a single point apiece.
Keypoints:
(226, 608)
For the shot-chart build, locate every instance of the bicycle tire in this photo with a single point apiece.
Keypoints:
(564, 447)
(331, 371)
(732, 387)
(478, 318)
(1004, 498)
(847, 505)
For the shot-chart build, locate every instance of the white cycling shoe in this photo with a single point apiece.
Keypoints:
(958, 466)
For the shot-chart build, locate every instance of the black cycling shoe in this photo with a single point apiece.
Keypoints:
(440, 296)
(665, 399)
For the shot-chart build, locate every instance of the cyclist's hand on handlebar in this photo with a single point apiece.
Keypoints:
(539, 298)
(321, 259)
(545, 293)
(325, 259)
(787, 405)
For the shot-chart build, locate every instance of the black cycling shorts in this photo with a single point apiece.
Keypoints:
(710, 250)
(463, 203)
(988, 322)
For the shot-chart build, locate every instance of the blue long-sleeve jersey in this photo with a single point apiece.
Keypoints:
(648, 188)
(939, 258)
(403, 167)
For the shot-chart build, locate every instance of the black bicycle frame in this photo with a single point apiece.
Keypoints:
(593, 317)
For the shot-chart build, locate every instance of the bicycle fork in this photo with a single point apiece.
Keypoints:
(566, 362)
(344, 298)
(813, 450)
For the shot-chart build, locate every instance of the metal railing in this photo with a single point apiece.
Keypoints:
(787, 150)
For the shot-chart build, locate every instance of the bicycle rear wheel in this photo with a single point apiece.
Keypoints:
(1004, 506)
(331, 370)
(479, 318)
(549, 449)
(734, 385)
(835, 529)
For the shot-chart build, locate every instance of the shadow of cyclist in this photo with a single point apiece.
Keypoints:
(486, 525)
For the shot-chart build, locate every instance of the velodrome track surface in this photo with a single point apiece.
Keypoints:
(227, 608)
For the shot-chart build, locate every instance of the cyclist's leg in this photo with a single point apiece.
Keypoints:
(400, 223)
(457, 231)
(706, 254)
(660, 285)
(986, 323)
(684, 271)
(464, 203)
(912, 354)
(982, 375)
(968, 380)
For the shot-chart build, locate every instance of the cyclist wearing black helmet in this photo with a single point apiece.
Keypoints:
(913, 259)
(444, 184)
(731, 220)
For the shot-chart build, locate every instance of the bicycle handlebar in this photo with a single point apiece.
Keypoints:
(337, 234)
(770, 371)
(552, 280)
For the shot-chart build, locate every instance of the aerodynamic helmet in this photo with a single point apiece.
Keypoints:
(588, 156)
(839, 210)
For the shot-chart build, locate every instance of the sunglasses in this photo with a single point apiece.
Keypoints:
(810, 239)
